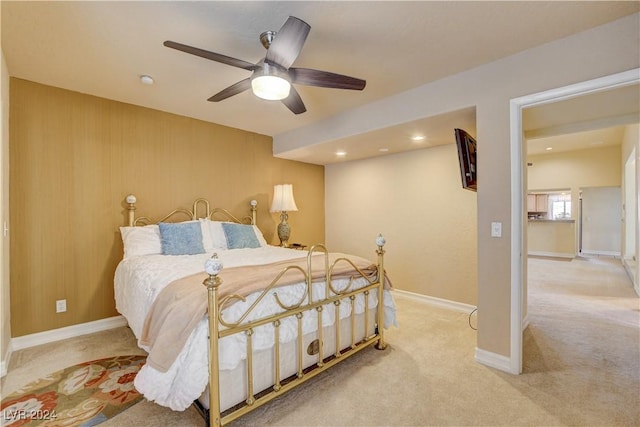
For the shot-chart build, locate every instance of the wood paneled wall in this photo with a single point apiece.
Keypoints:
(73, 160)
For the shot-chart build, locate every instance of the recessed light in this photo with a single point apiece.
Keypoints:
(383, 150)
(147, 80)
(549, 148)
(417, 138)
(341, 153)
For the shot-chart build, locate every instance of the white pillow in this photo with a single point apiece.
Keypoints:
(213, 236)
(141, 240)
(207, 240)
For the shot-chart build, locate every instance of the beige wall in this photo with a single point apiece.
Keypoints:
(5, 310)
(75, 157)
(416, 200)
(552, 238)
(595, 167)
(598, 52)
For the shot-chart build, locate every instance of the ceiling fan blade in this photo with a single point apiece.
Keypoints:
(288, 42)
(294, 102)
(211, 55)
(234, 89)
(309, 77)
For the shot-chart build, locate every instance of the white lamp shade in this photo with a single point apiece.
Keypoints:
(283, 200)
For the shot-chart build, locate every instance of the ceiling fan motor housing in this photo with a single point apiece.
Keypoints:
(267, 37)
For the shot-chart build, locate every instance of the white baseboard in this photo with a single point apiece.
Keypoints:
(605, 253)
(53, 335)
(494, 360)
(630, 267)
(525, 322)
(445, 303)
(4, 365)
(552, 254)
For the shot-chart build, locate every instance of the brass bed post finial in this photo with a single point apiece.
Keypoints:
(380, 241)
(131, 201)
(213, 266)
(254, 203)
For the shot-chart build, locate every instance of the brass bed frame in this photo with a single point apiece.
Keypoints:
(332, 296)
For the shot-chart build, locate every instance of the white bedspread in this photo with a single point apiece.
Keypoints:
(138, 280)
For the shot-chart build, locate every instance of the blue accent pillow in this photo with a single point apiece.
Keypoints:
(184, 238)
(240, 236)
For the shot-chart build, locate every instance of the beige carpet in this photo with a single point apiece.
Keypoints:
(583, 344)
(582, 365)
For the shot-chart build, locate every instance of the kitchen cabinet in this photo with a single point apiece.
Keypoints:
(542, 203)
(537, 202)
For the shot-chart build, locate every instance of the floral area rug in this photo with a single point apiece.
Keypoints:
(82, 395)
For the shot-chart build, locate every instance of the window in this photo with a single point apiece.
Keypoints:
(560, 205)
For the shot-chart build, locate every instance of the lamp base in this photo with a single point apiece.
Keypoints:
(284, 230)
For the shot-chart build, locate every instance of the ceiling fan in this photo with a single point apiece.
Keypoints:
(273, 75)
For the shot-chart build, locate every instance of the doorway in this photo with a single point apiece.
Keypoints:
(518, 200)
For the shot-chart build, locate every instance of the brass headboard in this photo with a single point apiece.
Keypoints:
(199, 205)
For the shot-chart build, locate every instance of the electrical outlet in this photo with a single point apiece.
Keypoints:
(61, 306)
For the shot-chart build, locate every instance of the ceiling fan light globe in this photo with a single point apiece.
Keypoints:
(272, 88)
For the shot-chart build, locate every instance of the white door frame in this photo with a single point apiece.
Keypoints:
(518, 251)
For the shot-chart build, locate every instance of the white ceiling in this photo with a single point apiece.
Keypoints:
(102, 48)
(598, 138)
(589, 121)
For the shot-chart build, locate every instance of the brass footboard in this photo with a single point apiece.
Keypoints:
(332, 296)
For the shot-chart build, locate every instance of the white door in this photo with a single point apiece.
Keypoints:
(601, 220)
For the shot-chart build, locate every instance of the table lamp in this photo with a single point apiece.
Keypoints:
(283, 202)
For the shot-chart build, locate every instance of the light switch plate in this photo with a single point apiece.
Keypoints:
(496, 229)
